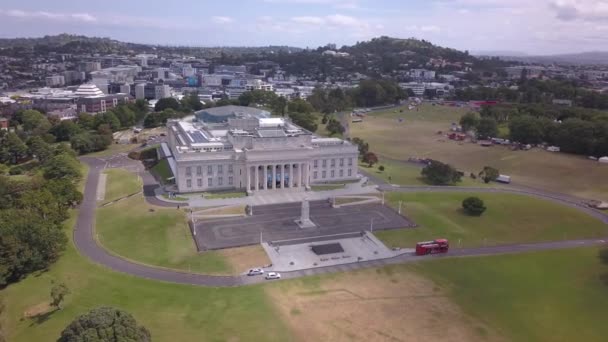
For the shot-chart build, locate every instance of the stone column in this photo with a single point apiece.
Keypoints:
(282, 176)
(257, 178)
(291, 175)
(274, 177)
(248, 175)
(306, 176)
(265, 177)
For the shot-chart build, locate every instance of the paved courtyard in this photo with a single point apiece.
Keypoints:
(296, 255)
(277, 222)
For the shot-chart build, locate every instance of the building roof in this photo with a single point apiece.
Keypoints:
(86, 90)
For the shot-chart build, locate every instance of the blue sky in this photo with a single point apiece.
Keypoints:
(532, 26)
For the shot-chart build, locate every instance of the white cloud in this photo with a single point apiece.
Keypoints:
(221, 20)
(308, 20)
(580, 9)
(77, 17)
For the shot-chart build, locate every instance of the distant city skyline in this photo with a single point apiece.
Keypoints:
(532, 27)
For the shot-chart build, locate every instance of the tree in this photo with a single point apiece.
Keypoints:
(35, 122)
(105, 324)
(15, 147)
(65, 130)
(334, 127)
(438, 173)
(166, 103)
(489, 174)
(62, 166)
(526, 129)
(487, 128)
(40, 149)
(469, 121)
(58, 293)
(191, 102)
(278, 106)
(370, 158)
(363, 146)
(473, 206)
(381, 168)
(304, 120)
(299, 106)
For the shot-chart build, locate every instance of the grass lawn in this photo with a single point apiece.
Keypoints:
(220, 195)
(171, 312)
(327, 187)
(545, 296)
(508, 219)
(163, 170)
(121, 183)
(160, 238)
(176, 198)
(417, 136)
(113, 149)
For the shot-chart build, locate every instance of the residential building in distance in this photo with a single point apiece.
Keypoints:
(55, 81)
(162, 91)
(243, 148)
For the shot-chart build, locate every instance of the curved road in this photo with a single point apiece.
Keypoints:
(87, 244)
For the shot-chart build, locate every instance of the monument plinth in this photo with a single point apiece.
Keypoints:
(304, 221)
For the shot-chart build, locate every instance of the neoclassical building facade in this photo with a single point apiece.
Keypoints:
(247, 150)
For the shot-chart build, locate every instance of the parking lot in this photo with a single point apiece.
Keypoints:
(277, 222)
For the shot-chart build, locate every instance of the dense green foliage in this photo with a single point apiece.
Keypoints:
(167, 103)
(438, 173)
(105, 324)
(473, 206)
(31, 215)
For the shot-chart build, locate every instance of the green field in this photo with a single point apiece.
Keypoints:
(120, 183)
(160, 238)
(546, 296)
(222, 195)
(509, 219)
(417, 136)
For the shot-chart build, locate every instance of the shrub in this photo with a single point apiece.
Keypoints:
(473, 206)
(381, 168)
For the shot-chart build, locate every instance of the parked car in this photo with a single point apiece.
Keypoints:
(255, 271)
(273, 275)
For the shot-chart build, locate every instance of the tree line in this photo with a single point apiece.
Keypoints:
(32, 210)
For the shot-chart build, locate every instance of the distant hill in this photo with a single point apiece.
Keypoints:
(68, 43)
(593, 57)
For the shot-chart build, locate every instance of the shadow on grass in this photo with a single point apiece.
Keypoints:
(42, 317)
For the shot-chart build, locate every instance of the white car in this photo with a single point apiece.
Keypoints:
(273, 275)
(255, 271)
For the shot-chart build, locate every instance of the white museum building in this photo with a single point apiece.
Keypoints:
(243, 148)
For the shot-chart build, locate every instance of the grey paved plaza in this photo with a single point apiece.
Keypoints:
(277, 222)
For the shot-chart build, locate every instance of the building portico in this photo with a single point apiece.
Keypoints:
(273, 176)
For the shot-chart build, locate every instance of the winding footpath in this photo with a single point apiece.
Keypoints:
(86, 243)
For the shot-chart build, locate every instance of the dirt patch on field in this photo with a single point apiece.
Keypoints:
(243, 258)
(37, 310)
(374, 305)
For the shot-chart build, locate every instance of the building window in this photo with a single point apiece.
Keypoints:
(350, 161)
(230, 169)
(189, 183)
(115, 102)
(315, 175)
(199, 170)
(220, 181)
(341, 173)
(333, 173)
(316, 163)
(210, 170)
(324, 162)
(199, 183)
(209, 182)
(220, 169)
(324, 174)
(230, 180)
(333, 163)
(341, 161)
(188, 171)
(350, 172)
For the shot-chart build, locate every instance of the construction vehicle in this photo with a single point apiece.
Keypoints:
(432, 247)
